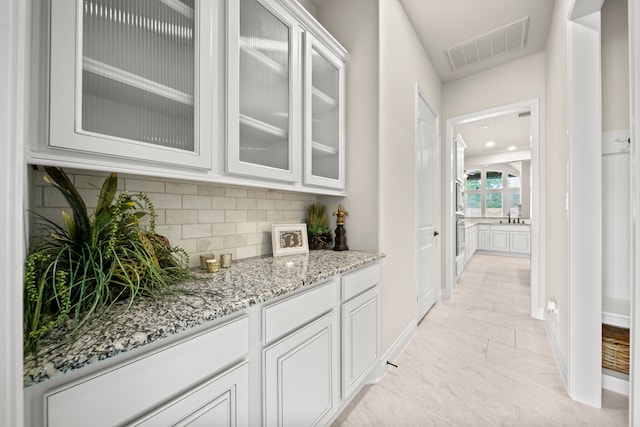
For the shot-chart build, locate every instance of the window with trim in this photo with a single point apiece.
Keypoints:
(492, 193)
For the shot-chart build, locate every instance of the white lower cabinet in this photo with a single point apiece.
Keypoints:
(135, 389)
(301, 375)
(307, 353)
(221, 401)
(483, 237)
(520, 242)
(359, 339)
(499, 241)
(505, 238)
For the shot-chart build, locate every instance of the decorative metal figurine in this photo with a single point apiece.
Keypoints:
(341, 238)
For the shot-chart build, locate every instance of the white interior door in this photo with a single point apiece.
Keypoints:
(428, 207)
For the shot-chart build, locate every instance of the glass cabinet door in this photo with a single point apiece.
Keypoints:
(324, 124)
(263, 64)
(135, 88)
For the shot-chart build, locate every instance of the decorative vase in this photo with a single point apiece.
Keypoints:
(318, 241)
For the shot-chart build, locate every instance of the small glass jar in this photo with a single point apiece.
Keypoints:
(212, 265)
(225, 260)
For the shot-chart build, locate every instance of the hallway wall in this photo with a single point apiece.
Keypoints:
(400, 70)
(381, 143)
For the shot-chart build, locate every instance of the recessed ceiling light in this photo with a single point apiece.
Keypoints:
(490, 144)
(484, 127)
(511, 148)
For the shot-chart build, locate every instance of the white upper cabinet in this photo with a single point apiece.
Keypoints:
(133, 79)
(460, 147)
(324, 116)
(232, 91)
(263, 81)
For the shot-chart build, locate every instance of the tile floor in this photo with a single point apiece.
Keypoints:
(479, 359)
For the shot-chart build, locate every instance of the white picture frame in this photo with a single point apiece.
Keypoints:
(289, 239)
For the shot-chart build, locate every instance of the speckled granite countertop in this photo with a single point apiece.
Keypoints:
(210, 296)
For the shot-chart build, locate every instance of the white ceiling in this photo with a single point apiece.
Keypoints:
(442, 24)
(504, 130)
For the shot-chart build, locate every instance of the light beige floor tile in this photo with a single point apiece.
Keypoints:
(479, 359)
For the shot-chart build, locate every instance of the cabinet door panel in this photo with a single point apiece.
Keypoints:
(324, 120)
(263, 87)
(499, 240)
(360, 339)
(301, 376)
(520, 241)
(125, 79)
(483, 239)
(221, 401)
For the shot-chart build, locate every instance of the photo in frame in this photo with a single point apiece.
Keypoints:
(289, 239)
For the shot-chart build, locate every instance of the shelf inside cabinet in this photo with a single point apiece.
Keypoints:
(179, 7)
(133, 80)
(262, 126)
(322, 102)
(262, 59)
(323, 150)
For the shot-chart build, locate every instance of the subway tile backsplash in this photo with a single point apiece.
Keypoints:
(199, 217)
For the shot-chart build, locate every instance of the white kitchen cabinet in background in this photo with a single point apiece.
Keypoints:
(460, 147)
(499, 240)
(508, 239)
(520, 242)
(483, 237)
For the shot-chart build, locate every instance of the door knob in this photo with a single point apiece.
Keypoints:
(436, 234)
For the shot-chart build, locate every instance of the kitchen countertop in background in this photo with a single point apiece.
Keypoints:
(209, 296)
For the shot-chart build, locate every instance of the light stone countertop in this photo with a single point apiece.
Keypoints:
(205, 298)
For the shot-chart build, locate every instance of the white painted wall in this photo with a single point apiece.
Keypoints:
(355, 25)
(381, 81)
(555, 251)
(615, 65)
(403, 63)
(513, 82)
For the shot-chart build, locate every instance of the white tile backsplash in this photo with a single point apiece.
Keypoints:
(199, 217)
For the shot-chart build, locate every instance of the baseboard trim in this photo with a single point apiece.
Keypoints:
(615, 381)
(397, 348)
(562, 366)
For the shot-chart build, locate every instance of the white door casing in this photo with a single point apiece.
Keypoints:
(427, 206)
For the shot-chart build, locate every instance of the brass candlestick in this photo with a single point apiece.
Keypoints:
(341, 238)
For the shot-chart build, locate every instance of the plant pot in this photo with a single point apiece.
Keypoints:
(319, 241)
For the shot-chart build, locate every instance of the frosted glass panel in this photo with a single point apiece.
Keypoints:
(264, 87)
(324, 117)
(138, 70)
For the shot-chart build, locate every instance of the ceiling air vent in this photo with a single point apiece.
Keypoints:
(505, 39)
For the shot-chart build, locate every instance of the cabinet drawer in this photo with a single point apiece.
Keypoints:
(218, 402)
(291, 313)
(118, 394)
(359, 281)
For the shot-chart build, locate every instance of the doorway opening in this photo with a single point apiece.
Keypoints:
(533, 110)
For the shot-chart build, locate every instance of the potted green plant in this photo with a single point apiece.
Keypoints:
(317, 226)
(80, 268)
